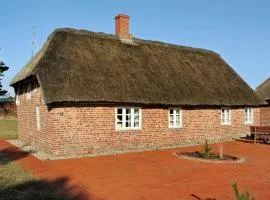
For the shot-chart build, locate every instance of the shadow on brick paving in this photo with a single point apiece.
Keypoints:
(199, 198)
(10, 154)
(42, 189)
(13, 186)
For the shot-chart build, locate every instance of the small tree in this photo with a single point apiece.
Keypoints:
(241, 196)
(3, 68)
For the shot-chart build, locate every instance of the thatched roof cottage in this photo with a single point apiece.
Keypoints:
(97, 93)
(263, 91)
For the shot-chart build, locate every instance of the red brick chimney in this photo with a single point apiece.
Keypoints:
(122, 26)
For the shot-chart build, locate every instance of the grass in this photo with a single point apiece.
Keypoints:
(16, 183)
(12, 173)
(8, 129)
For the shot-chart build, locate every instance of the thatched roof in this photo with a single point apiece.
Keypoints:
(263, 90)
(82, 66)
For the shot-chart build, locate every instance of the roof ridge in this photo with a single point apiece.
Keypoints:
(136, 40)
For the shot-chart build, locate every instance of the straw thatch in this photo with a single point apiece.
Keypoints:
(82, 66)
(263, 90)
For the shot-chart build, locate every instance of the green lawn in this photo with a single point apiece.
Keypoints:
(8, 129)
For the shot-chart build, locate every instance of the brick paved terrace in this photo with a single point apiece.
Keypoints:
(156, 174)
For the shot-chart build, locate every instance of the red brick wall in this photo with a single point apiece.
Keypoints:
(90, 129)
(265, 116)
(26, 115)
(260, 129)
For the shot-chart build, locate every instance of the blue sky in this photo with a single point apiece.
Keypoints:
(239, 30)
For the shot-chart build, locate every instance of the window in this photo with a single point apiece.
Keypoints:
(248, 116)
(128, 118)
(17, 96)
(38, 118)
(226, 116)
(175, 118)
(28, 95)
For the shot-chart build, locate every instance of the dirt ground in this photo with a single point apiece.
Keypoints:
(156, 174)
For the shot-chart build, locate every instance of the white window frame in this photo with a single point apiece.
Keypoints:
(248, 116)
(17, 96)
(226, 116)
(38, 119)
(175, 115)
(28, 94)
(124, 118)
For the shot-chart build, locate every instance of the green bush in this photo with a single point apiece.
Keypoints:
(206, 150)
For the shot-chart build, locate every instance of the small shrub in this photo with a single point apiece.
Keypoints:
(241, 196)
(206, 150)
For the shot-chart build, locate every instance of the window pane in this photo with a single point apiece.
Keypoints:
(128, 111)
(136, 118)
(177, 112)
(128, 117)
(136, 123)
(119, 124)
(119, 121)
(128, 123)
(248, 115)
(119, 118)
(119, 111)
(226, 118)
(136, 111)
(171, 112)
(171, 117)
(171, 123)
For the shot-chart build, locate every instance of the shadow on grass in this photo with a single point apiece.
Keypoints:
(200, 198)
(10, 154)
(58, 189)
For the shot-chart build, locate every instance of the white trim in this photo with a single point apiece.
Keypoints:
(246, 117)
(132, 117)
(227, 118)
(38, 118)
(175, 117)
(17, 96)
